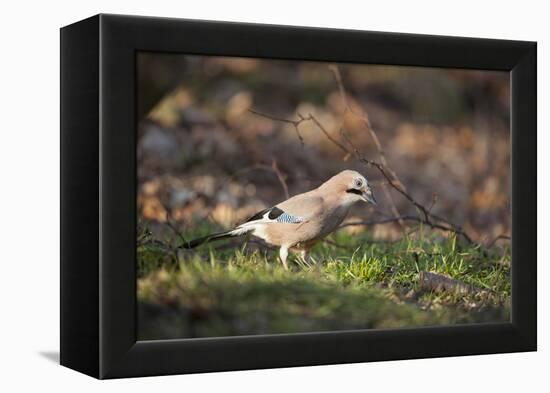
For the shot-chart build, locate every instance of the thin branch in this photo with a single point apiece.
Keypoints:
(402, 218)
(295, 123)
(499, 237)
(274, 168)
(364, 118)
(393, 206)
(175, 230)
(327, 134)
(387, 193)
(281, 177)
(336, 71)
(366, 122)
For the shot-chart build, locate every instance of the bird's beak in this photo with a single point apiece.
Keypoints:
(368, 196)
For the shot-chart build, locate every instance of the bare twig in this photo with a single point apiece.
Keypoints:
(274, 168)
(393, 206)
(374, 137)
(363, 117)
(281, 178)
(295, 123)
(499, 237)
(173, 227)
(327, 134)
(401, 218)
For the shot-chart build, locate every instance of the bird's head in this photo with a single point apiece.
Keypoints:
(351, 186)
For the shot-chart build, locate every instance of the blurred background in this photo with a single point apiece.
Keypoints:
(205, 156)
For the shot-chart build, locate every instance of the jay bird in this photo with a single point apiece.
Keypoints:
(302, 220)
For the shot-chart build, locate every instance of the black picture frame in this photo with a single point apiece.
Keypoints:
(98, 188)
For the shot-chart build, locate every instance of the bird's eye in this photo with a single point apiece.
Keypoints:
(358, 183)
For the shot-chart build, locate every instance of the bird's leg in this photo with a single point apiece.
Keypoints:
(304, 256)
(283, 253)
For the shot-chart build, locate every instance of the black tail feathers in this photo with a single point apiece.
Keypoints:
(215, 236)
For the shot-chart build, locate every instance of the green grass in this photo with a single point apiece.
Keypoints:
(219, 291)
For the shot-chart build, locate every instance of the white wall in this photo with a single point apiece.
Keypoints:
(29, 194)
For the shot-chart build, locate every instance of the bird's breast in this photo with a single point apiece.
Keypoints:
(332, 219)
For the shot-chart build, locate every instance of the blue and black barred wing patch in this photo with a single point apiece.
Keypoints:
(276, 214)
(283, 217)
(288, 219)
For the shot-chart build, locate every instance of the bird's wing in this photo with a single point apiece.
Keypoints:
(296, 210)
(307, 205)
(274, 214)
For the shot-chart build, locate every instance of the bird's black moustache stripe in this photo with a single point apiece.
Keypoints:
(354, 191)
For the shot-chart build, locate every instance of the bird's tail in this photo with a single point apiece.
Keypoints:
(214, 236)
